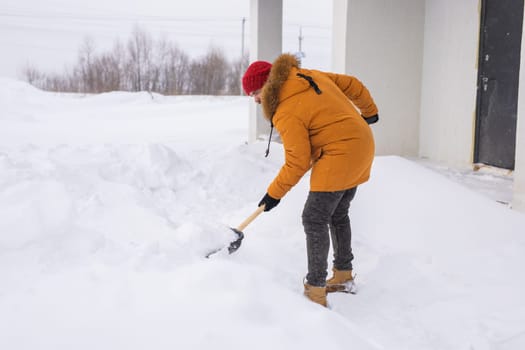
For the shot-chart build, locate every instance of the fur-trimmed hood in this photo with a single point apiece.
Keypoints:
(272, 93)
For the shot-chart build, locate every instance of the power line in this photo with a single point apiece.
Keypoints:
(132, 18)
(75, 16)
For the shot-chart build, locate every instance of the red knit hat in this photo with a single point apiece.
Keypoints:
(255, 76)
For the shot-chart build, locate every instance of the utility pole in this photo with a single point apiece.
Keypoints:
(242, 36)
(301, 53)
(241, 66)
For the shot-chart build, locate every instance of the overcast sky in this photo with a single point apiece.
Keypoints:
(47, 34)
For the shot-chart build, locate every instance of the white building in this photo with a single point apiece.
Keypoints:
(424, 61)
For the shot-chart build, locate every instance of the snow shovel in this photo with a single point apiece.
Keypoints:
(238, 231)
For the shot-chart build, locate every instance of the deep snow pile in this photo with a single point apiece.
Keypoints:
(109, 203)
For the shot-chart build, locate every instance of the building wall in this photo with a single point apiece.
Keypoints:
(420, 61)
(448, 96)
(381, 43)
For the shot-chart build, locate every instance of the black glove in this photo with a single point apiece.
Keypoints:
(268, 202)
(372, 119)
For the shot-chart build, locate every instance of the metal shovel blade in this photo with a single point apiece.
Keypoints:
(237, 243)
(234, 245)
(238, 231)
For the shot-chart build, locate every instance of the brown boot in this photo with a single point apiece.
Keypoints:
(315, 294)
(341, 281)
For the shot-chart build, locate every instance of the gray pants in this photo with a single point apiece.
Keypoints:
(324, 210)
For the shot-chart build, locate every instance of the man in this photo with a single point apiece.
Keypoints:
(322, 130)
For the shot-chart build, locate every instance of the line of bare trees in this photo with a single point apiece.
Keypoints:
(143, 64)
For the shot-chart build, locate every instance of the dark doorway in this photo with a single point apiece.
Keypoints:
(498, 80)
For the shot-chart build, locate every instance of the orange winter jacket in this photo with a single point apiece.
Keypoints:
(321, 128)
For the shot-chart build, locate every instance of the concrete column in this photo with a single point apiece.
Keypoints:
(518, 201)
(381, 43)
(340, 27)
(266, 28)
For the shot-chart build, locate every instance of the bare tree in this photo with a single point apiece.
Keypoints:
(233, 81)
(140, 51)
(109, 69)
(208, 74)
(33, 76)
(179, 64)
(85, 63)
(144, 65)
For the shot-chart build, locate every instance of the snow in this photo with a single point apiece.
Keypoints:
(108, 204)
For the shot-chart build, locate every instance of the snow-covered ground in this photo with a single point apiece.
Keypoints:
(109, 203)
(494, 183)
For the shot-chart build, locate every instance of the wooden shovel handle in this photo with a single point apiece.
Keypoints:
(250, 218)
